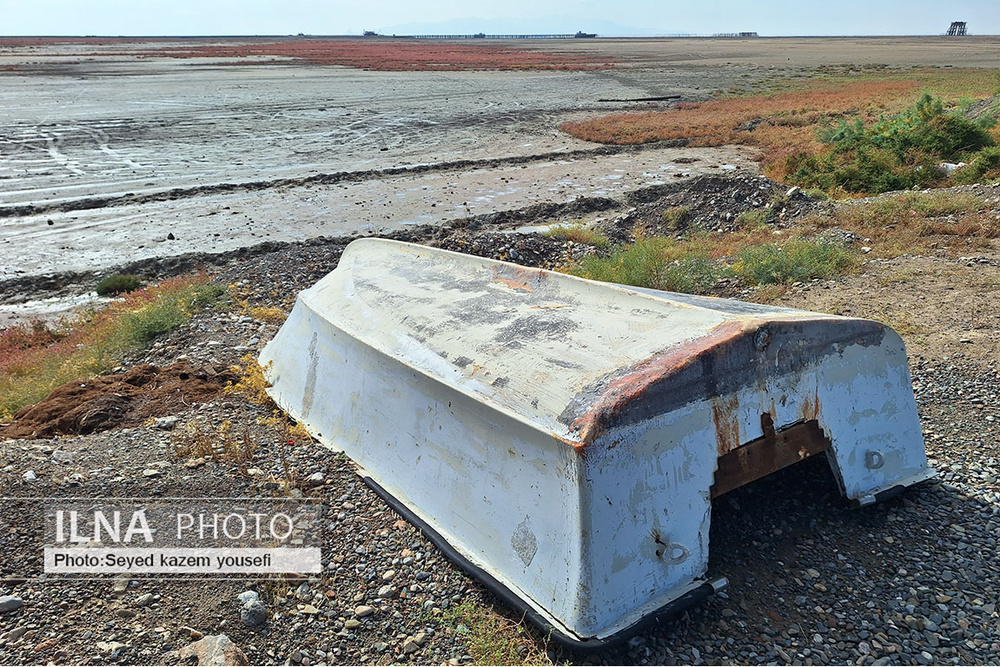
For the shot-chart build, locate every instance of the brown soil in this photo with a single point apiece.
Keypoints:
(115, 401)
(941, 307)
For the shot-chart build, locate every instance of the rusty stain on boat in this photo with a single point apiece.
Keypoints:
(517, 277)
(635, 383)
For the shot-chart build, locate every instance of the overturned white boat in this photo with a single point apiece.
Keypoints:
(563, 438)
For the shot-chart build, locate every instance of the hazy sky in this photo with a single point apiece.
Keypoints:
(608, 17)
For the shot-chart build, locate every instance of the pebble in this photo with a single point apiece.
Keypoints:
(352, 624)
(10, 603)
(247, 597)
(166, 423)
(363, 610)
(30, 476)
(144, 600)
(254, 614)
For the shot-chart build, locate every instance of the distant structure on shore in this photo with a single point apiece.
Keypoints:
(957, 29)
(736, 34)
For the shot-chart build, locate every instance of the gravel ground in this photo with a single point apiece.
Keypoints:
(910, 581)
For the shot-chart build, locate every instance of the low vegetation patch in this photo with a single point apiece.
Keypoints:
(387, 54)
(790, 125)
(119, 283)
(36, 358)
(198, 439)
(656, 262)
(697, 264)
(896, 152)
(494, 639)
(579, 233)
(793, 261)
(915, 222)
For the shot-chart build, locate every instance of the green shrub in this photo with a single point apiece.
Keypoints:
(119, 283)
(795, 260)
(986, 164)
(894, 153)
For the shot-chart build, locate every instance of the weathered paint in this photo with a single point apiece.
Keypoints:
(563, 435)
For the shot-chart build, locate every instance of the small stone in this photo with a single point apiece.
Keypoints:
(166, 423)
(388, 575)
(214, 650)
(352, 624)
(942, 598)
(410, 646)
(248, 597)
(386, 592)
(254, 614)
(110, 647)
(309, 609)
(304, 591)
(315, 479)
(10, 603)
(144, 600)
(47, 644)
(363, 611)
(423, 576)
(120, 585)
(151, 472)
(813, 574)
(30, 476)
(171, 237)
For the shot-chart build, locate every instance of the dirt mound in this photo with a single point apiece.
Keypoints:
(524, 249)
(112, 401)
(714, 203)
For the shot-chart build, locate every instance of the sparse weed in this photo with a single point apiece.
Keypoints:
(676, 217)
(269, 314)
(913, 222)
(752, 219)
(251, 384)
(198, 439)
(35, 359)
(579, 233)
(655, 262)
(495, 639)
(795, 260)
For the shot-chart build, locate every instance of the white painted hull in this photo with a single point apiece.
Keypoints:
(563, 435)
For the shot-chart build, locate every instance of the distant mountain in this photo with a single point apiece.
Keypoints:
(557, 25)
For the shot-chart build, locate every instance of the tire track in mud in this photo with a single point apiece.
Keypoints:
(88, 203)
